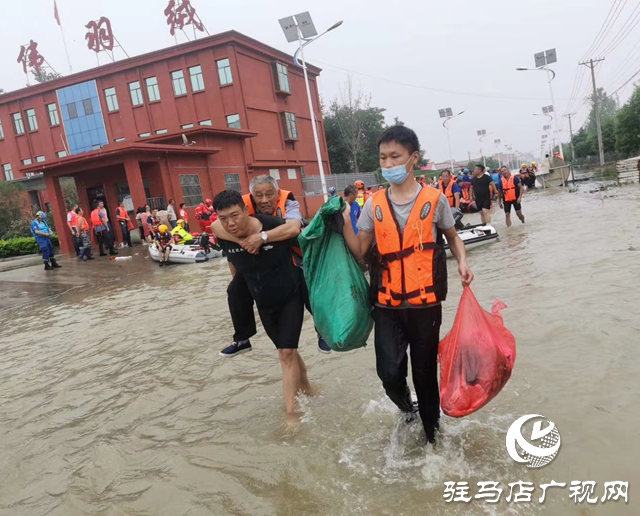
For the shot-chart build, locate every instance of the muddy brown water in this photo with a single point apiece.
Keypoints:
(113, 400)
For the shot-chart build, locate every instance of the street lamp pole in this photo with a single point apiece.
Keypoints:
(444, 124)
(300, 22)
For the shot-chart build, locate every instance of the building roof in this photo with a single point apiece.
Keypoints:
(223, 38)
(95, 159)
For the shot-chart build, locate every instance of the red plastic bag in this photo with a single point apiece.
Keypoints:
(476, 357)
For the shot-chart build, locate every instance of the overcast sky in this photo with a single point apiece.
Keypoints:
(399, 52)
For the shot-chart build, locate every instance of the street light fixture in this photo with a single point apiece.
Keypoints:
(447, 113)
(300, 28)
(481, 134)
(542, 62)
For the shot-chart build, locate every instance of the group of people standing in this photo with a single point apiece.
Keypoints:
(400, 229)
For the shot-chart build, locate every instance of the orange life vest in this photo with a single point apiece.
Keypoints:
(74, 219)
(280, 206)
(82, 223)
(413, 262)
(509, 189)
(448, 192)
(465, 194)
(96, 220)
(121, 213)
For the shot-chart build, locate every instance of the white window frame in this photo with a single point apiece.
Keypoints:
(144, 135)
(1, 131)
(235, 121)
(18, 124)
(282, 78)
(32, 119)
(8, 172)
(40, 159)
(224, 71)
(290, 123)
(292, 174)
(197, 79)
(206, 122)
(152, 89)
(62, 154)
(27, 162)
(187, 126)
(162, 131)
(179, 84)
(136, 94)
(111, 97)
(274, 173)
(118, 140)
(54, 116)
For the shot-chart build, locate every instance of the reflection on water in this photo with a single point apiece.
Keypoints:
(113, 399)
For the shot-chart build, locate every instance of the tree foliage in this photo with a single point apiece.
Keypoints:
(44, 76)
(14, 209)
(352, 127)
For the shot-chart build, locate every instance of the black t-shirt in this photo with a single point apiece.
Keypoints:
(271, 275)
(481, 186)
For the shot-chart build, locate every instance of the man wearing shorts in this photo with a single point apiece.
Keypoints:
(510, 190)
(482, 190)
(274, 282)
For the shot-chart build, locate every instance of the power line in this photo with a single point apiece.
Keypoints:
(627, 27)
(607, 25)
(428, 88)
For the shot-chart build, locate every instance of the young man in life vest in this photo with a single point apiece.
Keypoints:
(449, 187)
(100, 224)
(273, 280)
(72, 224)
(510, 190)
(124, 220)
(408, 274)
(266, 198)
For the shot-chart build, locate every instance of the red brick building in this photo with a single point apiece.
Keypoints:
(118, 129)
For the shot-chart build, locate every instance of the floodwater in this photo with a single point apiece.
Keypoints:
(113, 400)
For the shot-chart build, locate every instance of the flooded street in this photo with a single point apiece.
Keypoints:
(114, 401)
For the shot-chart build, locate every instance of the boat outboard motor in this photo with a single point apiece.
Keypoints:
(457, 216)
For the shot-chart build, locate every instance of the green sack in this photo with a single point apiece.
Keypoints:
(338, 290)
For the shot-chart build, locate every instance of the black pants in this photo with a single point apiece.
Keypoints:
(77, 243)
(126, 234)
(104, 238)
(241, 307)
(395, 331)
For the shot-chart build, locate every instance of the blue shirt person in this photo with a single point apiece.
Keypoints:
(350, 195)
(42, 233)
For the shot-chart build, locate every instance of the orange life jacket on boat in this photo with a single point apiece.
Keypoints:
(448, 191)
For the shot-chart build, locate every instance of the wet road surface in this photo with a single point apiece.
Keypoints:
(113, 400)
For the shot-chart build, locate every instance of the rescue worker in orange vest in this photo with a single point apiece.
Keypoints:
(100, 226)
(449, 187)
(265, 198)
(510, 194)
(84, 232)
(72, 224)
(406, 223)
(125, 223)
(362, 195)
(204, 213)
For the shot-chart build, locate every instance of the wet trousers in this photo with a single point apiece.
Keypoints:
(47, 249)
(241, 307)
(419, 330)
(104, 238)
(126, 234)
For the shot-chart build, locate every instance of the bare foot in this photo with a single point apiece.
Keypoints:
(292, 422)
(309, 390)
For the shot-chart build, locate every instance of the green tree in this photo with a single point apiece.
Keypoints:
(627, 129)
(352, 127)
(14, 210)
(44, 76)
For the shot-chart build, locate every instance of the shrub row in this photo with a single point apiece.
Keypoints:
(21, 245)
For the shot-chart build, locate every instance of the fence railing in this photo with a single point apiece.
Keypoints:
(313, 186)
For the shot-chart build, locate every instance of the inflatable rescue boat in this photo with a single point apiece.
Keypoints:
(475, 236)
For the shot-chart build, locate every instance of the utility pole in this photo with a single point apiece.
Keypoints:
(573, 152)
(592, 64)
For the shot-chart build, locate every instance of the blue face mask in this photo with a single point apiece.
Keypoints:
(396, 175)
